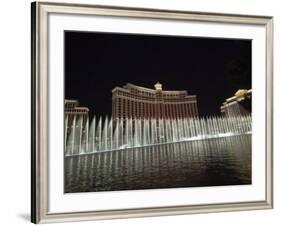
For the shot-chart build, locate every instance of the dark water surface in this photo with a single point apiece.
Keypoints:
(221, 161)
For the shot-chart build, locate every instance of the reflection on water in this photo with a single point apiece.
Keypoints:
(220, 161)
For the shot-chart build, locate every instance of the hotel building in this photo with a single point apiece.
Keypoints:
(239, 104)
(76, 119)
(136, 102)
(72, 108)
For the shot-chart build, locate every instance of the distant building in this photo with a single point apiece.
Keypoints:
(136, 102)
(239, 104)
(76, 120)
(71, 107)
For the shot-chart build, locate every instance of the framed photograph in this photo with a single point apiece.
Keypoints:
(147, 112)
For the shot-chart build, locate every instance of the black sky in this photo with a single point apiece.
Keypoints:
(212, 69)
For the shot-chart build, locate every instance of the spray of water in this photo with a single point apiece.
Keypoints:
(100, 135)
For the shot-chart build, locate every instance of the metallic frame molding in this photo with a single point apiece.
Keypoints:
(39, 167)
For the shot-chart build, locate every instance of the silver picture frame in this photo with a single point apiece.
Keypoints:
(40, 103)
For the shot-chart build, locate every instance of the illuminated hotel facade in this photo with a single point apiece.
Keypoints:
(239, 104)
(136, 102)
(76, 119)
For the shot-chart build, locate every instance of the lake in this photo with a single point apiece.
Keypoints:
(212, 162)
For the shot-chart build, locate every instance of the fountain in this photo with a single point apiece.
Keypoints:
(102, 135)
(209, 162)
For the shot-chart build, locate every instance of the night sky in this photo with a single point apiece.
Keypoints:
(212, 69)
